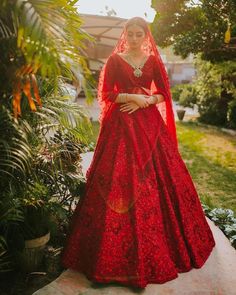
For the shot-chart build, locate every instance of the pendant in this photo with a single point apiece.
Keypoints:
(137, 72)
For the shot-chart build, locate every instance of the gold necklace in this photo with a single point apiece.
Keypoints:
(137, 68)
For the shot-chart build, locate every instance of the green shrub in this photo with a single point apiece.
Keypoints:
(176, 91)
(215, 88)
(231, 114)
(185, 94)
(224, 219)
(188, 96)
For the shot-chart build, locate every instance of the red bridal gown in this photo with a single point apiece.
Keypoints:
(140, 220)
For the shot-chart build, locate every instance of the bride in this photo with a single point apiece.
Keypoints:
(140, 219)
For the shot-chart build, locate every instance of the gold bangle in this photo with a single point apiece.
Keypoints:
(155, 97)
(123, 97)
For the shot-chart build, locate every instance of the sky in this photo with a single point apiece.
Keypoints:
(123, 8)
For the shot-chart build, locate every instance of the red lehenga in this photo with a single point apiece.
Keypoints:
(140, 220)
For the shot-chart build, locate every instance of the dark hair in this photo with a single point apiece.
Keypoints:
(139, 21)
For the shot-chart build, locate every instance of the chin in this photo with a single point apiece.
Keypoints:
(135, 46)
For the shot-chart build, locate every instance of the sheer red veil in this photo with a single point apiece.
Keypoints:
(165, 108)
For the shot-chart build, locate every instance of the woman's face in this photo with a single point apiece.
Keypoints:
(135, 36)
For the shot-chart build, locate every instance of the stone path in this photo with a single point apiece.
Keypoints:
(216, 277)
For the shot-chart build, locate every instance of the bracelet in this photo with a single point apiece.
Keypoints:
(156, 97)
(123, 97)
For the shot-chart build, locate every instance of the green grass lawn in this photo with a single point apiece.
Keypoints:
(210, 155)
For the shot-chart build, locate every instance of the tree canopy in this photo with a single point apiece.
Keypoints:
(196, 27)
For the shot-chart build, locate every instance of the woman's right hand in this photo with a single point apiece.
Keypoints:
(140, 100)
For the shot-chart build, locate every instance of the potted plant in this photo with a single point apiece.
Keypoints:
(47, 200)
(186, 96)
(35, 228)
(180, 113)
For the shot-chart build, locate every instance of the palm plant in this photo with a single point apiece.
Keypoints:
(10, 214)
(38, 38)
(41, 41)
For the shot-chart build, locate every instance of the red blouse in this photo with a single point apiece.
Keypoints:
(119, 77)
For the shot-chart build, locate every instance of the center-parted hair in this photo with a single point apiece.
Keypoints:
(139, 21)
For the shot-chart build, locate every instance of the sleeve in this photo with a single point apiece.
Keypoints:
(109, 90)
(158, 80)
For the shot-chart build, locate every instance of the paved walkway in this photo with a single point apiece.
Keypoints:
(216, 277)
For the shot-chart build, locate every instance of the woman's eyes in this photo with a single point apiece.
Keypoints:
(137, 35)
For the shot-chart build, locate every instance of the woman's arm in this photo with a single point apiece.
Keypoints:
(138, 99)
(160, 94)
(109, 91)
(123, 98)
(155, 98)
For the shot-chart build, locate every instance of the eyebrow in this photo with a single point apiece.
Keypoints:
(139, 32)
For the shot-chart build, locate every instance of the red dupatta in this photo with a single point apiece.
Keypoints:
(166, 107)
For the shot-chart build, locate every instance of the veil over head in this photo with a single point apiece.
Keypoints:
(165, 108)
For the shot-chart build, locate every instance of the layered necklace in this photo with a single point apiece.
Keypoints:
(137, 68)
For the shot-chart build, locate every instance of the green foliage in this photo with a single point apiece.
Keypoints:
(199, 27)
(188, 96)
(40, 40)
(15, 153)
(215, 88)
(225, 220)
(39, 175)
(213, 91)
(195, 27)
(10, 215)
(176, 91)
(185, 94)
(231, 114)
(36, 211)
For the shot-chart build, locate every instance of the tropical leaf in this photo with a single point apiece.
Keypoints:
(15, 152)
(49, 42)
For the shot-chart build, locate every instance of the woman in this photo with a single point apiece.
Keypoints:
(140, 220)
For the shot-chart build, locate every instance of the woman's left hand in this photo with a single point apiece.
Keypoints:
(129, 107)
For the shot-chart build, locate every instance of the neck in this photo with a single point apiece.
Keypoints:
(135, 52)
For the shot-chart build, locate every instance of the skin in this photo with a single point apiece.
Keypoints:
(135, 36)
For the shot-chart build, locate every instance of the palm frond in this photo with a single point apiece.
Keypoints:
(5, 31)
(48, 41)
(15, 152)
(60, 113)
(56, 24)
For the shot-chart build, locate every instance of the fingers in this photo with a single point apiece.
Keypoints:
(127, 106)
(130, 108)
(124, 105)
(132, 111)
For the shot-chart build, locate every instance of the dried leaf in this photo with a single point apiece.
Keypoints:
(27, 92)
(36, 90)
(17, 99)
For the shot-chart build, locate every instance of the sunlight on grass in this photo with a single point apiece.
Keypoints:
(210, 156)
(215, 145)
